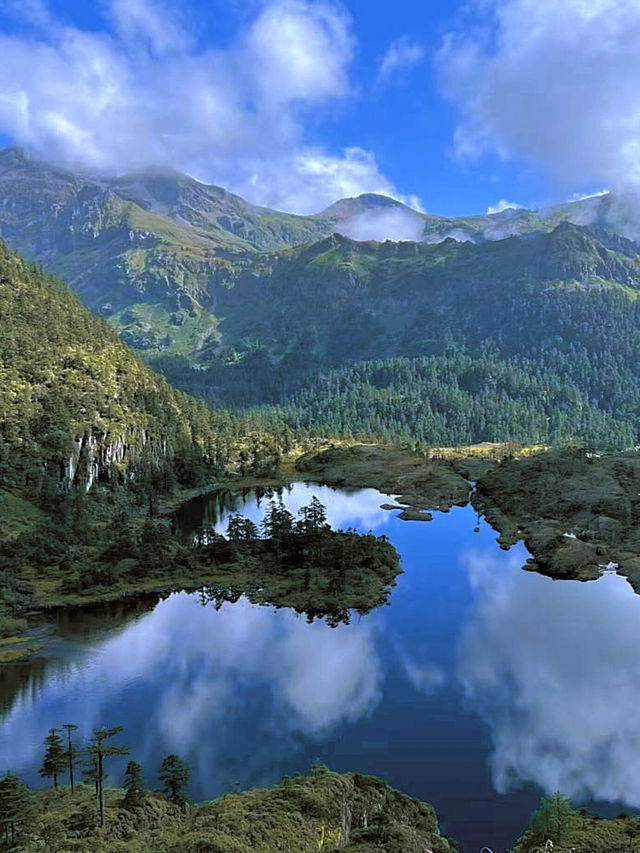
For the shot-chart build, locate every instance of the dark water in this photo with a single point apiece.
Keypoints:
(481, 686)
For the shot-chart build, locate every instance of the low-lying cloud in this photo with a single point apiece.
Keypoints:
(395, 224)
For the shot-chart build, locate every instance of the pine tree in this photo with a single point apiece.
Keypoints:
(71, 754)
(55, 759)
(174, 775)
(241, 529)
(133, 785)
(553, 819)
(278, 521)
(101, 750)
(15, 807)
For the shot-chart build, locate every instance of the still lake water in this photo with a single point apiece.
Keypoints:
(480, 687)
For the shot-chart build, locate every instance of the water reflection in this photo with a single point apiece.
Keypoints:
(358, 508)
(554, 669)
(193, 673)
(480, 682)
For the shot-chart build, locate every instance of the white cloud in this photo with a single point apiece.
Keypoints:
(312, 677)
(388, 224)
(584, 196)
(300, 50)
(556, 84)
(143, 93)
(503, 205)
(553, 668)
(149, 23)
(402, 54)
(308, 179)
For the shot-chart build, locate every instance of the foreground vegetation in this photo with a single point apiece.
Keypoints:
(576, 831)
(324, 812)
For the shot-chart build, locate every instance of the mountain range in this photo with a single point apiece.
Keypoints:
(153, 252)
(528, 312)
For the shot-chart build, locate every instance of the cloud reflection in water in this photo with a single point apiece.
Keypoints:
(554, 668)
(185, 675)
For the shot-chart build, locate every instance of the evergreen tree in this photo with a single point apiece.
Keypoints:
(55, 758)
(553, 820)
(133, 785)
(89, 769)
(100, 750)
(240, 529)
(15, 808)
(71, 754)
(278, 522)
(174, 775)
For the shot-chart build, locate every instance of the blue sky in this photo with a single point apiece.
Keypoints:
(294, 103)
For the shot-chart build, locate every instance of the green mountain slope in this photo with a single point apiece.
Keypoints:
(154, 252)
(145, 251)
(529, 337)
(76, 405)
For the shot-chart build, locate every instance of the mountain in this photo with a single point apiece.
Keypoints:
(144, 251)
(515, 325)
(77, 405)
(525, 338)
(153, 252)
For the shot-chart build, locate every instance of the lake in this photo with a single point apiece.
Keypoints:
(480, 686)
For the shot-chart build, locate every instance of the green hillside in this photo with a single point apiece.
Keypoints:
(323, 813)
(527, 338)
(76, 405)
(524, 327)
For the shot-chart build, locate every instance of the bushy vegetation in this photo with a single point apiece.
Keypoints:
(323, 812)
(83, 557)
(576, 831)
(577, 511)
(76, 405)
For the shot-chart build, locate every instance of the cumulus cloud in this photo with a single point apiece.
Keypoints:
(143, 93)
(402, 54)
(148, 23)
(557, 84)
(554, 670)
(503, 205)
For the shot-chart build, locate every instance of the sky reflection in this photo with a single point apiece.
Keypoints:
(553, 667)
(480, 682)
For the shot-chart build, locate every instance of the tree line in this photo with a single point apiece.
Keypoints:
(62, 755)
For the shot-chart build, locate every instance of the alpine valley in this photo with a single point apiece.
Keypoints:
(521, 325)
(206, 409)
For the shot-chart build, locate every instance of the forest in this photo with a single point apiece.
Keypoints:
(380, 340)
